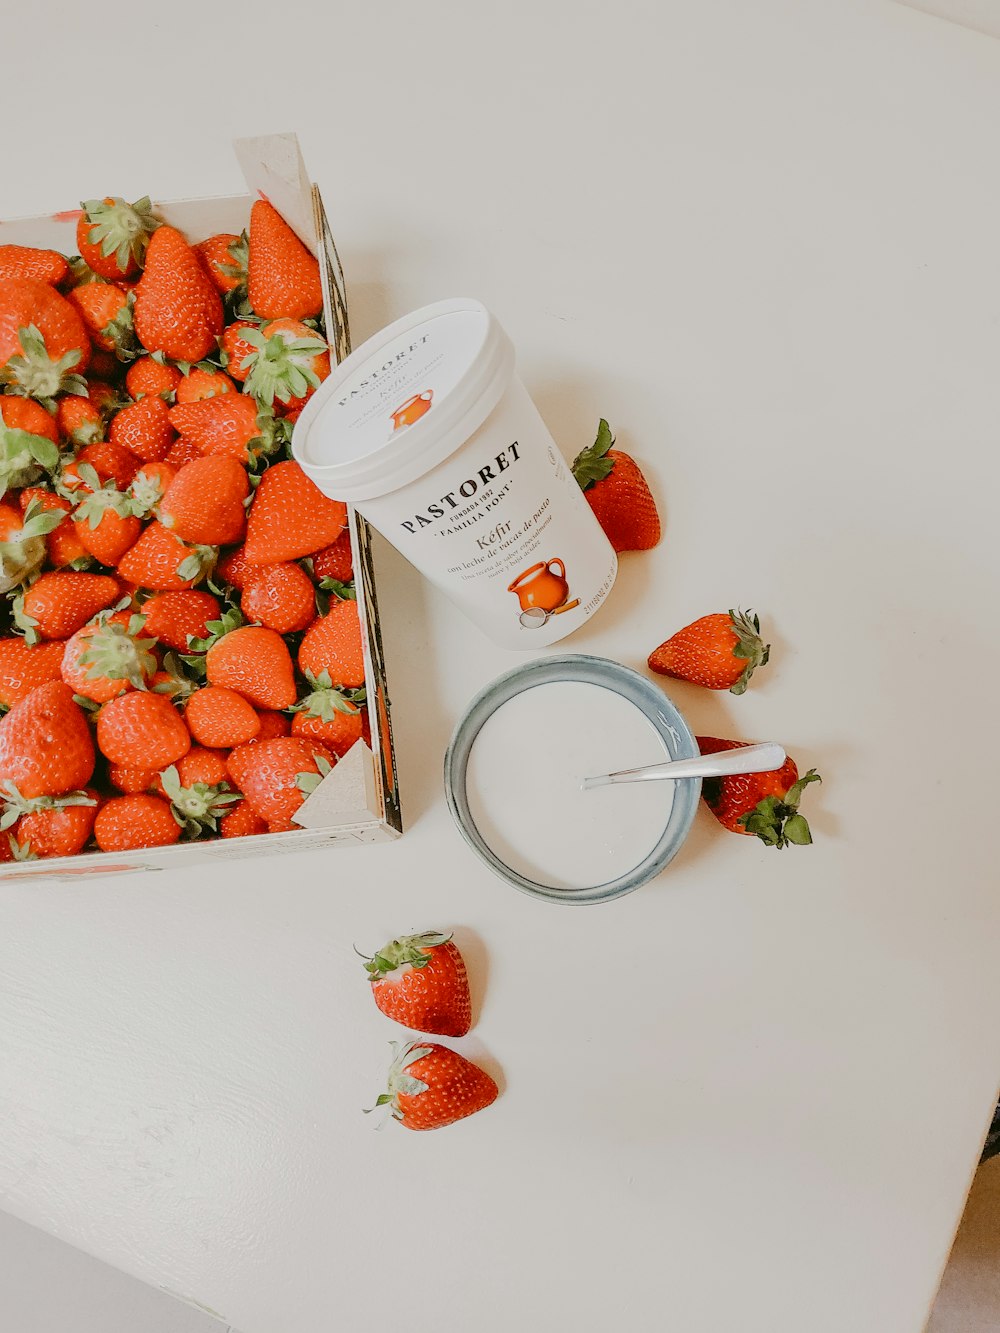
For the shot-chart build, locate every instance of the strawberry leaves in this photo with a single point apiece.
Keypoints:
(749, 646)
(776, 820)
(592, 464)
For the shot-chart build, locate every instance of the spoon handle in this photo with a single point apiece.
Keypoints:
(747, 759)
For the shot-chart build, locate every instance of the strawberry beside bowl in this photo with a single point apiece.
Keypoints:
(514, 775)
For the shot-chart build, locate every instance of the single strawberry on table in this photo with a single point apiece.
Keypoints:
(282, 276)
(420, 981)
(112, 235)
(430, 1086)
(765, 805)
(720, 651)
(617, 492)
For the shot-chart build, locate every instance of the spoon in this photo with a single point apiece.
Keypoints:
(536, 616)
(763, 758)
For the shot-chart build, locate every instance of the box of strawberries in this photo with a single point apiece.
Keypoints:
(190, 657)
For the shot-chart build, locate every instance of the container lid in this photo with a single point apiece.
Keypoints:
(404, 401)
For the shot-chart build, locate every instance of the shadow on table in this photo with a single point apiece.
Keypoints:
(969, 1299)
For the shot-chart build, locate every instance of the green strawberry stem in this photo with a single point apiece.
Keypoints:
(749, 646)
(776, 820)
(404, 1054)
(405, 949)
(326, 700)
(116, 652)
(15, 805)
(35, 375)
(198, 807)
(121, 229)
(279, 368)
(593, 464)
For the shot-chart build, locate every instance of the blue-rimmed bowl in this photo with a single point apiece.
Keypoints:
(647, 697)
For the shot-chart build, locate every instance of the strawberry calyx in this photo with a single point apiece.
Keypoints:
(120, 331)
(592, 464)
(100, 497)
(199, 561)
(23, 457)
(115, 650)
(231, 618)
(22, 554)
(172, 681)
(776, 820)
(749, 645)
(325, 700)
(34, 374)
(121, 229)
(307, 782)
(236, 302)
(404, 1054)
(15, 805)
(145, 493)
(280, 367)
(198, 807)
(406, 949)
(21, 851)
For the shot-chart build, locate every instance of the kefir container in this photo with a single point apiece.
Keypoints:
(427, 430)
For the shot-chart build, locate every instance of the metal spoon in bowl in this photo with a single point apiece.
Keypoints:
(763, 758)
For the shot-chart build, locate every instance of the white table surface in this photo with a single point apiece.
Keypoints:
(762, 240)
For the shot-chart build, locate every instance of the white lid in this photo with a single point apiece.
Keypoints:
(404, 401)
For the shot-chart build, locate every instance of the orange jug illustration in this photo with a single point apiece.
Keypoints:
(541, 586)
(412, 410)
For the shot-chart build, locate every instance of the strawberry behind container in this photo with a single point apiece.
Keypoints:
(358, 801)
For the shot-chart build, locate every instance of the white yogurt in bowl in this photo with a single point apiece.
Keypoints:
(515, 767)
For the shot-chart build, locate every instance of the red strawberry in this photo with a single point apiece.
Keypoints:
(196, 804)
(616, 491)
(205, 502)
(333, 644)
(62, 601)
(111, 462)
(79, 420)
(335, 561)
(44, 347)
(236, 569)
(27, 415)
(127, 823)
(177, 309)
(152, 377)
(142, 730)
(200, 383)
(243, 822)
(182, 451)
(108, 657)
(329, 715)
(765, 805)
(24, 261)
(219, 717)
(107, 314)
(279, 774)
(287, 360)
(105, 520)
(144, 428)
(61, 826)
(202, 764)
(280, 596)
(225, 258)
(430, 1086)
(161, 561)
(282, 276)
(272, 725)
(22, 545)
(45, 744)
(419, 981)
(174, 617)
(112, 235)
(25, 666)
(254, 661)
(720, 651)
(291, 517)
(225, 424)
(132, 780)
(236, 350)
(149, 486)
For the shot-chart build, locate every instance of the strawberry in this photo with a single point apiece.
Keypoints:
(105, 397)
(23, 454)
(177, 309)
(44, 348)
(419, 981)
(720, 651)
(236, 569)
(161, 561)
(236, 349)
(219, 717)
(63, 545)
(280, 596)
(329, 715)
(45, 744)
(205, 502)
(616, 491)
(335, 561)
(132, 780)
(148, 487)
(203, 382)
(182, 451)
(242, 822)
(254, 661)
(25, 414)
(202, 764)
(765, 805)
(104, 519)
(22, 544)
(79, 420)
(279, 774)
(142, 730)
(430, 1086)
(152, 377)
(127, 823)
(24, 261)
(225, 424)
(272, 725)
(108, 657)
(174, 617)
(144, 428)
(62, 601)
(287, 361)
(196, 805)
(282, 276)
(291, 517)
(225, 258)
(112, 235)
(106, 312)
(109, 461)
(57, 825)
(333, 644)
(25, 666)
